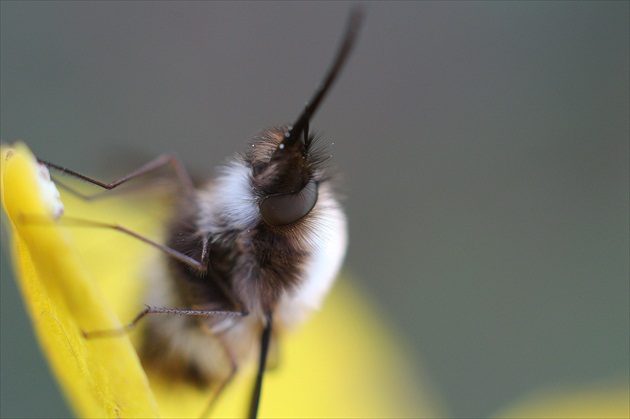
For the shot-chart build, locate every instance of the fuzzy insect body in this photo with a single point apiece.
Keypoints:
(285, 269)
(249, 254)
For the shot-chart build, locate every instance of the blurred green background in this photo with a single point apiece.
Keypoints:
(484, 148)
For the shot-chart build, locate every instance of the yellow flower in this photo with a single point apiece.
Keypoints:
(343, 363)
(609, 399)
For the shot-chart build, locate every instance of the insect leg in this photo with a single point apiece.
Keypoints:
(264, 350)
(162, 160)
(225, 382)
(159, 310)
(200, 266)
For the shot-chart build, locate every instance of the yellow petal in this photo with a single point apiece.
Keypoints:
(104, 378)
(602, 400)
(345, 362)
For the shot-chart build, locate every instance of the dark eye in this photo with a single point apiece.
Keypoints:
(279, 210)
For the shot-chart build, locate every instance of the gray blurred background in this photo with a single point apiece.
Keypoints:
(484, 148)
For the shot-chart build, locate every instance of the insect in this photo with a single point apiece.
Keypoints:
(250, 253)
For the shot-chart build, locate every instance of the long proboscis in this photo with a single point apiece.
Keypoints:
(352, 29)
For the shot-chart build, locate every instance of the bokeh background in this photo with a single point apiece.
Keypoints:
(484, 148)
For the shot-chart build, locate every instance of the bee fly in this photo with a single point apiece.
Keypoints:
(250, 253)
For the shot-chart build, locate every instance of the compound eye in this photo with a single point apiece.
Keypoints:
(279, 210)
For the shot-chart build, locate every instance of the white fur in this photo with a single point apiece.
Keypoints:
(329, 239)
(229, 197)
